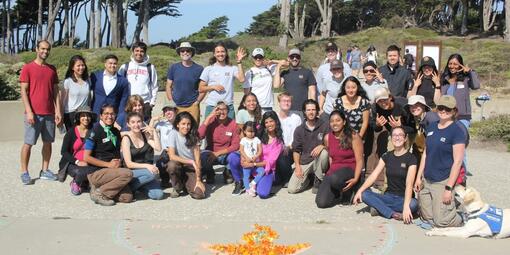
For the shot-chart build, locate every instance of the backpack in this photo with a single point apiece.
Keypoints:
(149, 71)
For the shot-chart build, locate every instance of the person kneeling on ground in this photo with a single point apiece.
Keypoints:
(102, 150)
(138, 147)
(184, 152)
(345, 149)
(397, 202)
(309, 154)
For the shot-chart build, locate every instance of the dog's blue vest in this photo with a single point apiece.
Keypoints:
(494, 218)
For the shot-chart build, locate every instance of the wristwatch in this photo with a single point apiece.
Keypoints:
(446, 187)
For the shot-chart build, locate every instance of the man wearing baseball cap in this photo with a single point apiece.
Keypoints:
(297, 80)
(182, 82)
(324, 74)
(259, 79)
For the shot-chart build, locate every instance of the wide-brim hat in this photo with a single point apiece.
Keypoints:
(185, 45)
(412, 100)
(83, 109)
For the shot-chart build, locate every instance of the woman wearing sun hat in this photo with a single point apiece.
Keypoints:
(421, 117)
(440, 166)
(72, 162)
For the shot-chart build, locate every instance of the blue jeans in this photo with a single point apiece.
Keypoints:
(145, 180)
(467, 124)
(231, 111)
(247, 172)
(231, 160)
(387, 204)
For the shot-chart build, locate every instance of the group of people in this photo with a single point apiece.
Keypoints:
(373, 140)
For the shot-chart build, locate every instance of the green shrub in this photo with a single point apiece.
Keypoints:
(495, 128)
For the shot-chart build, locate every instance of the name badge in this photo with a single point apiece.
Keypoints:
(105, 140)
(403, 165)
(460, 85)
(228, 133)
(442, 139)
(301, 76)
(430, 133)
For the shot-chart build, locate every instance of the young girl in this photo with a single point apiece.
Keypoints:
(138, 153)
(184, 153)
(251, 149)
(397, 202)
(249, 110)
(76, 91)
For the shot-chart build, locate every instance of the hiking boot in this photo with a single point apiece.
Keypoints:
(238, 189)
(227, 177)
(316, 184)
(47, 175)
(75, 188)
(25, 178)
(99, 198)
(174, 193)
(373, 212)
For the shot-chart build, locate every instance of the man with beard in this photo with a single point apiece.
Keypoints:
(297, 80)
(399, 78)
(182, 82)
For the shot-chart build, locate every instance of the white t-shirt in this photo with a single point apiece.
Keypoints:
(290, 124)
(260, 80)
(75, 95)
(250, 146)
(332, 89)
(220, 75)
(164, 128)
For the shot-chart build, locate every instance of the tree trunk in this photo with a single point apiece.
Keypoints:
(114, 24)
(146, 18)
(139, 21)
(463, 27)
(66, 22)
(488, 15)
(122, 21)
(105, 25)
(50, 35)
(507, 21)
(3, 48)
(284, 21)
(97, 29)
(92, 25)
(51, 21)
(297, 32)
(39, 20)
(326, 11)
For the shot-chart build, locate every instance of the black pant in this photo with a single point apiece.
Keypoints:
(331, 188)
(79, 173)
(283, 168)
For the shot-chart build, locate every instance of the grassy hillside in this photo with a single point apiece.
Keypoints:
(489, 57)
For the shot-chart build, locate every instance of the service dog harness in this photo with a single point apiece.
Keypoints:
(494, 218)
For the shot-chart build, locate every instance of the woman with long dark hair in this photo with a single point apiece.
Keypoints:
(249, 110)
(184, 152)
(426, 82)
(76, 89)
(456, 80)
(217, 79)
(271, 136)
(353, 101)
(345, 149)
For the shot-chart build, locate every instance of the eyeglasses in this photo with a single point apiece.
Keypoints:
(441, 108)
(295, 57)
(109, 113)
(368, 71)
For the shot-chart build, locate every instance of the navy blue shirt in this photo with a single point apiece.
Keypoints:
(439, 144)
(185, 82)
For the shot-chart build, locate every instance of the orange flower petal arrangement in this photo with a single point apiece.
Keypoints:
(259, 242)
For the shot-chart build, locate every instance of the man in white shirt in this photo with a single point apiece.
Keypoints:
(142, 77)
(289, 122)
(323, 73)
(164, 126)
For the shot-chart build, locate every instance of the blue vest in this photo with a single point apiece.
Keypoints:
(494, 217)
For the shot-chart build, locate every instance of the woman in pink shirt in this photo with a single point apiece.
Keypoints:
(271, 135)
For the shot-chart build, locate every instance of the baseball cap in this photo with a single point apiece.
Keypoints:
(331, 46)
(169, 108)
(427, 61)
(294, 51)
(448, 101)
(257, 51)
(381, 93)
(336, 64)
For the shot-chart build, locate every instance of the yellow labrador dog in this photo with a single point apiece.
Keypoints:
(484, 220)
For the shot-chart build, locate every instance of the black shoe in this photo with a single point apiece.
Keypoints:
(238, 189)
(316, 184)
(227, 177)
(210, 178)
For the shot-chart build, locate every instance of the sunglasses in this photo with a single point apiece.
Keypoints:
(258, 57)
(295, 57)
(441, 108)
(368, 71)
(186, 50)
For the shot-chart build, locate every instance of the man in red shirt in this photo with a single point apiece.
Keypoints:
(222, 136)
(40, 95)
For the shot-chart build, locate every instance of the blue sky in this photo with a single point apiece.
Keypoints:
(197, 13)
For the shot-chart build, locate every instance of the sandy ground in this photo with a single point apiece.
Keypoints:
(45, 218)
